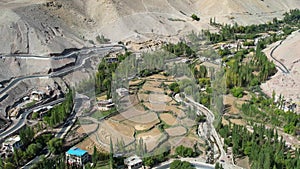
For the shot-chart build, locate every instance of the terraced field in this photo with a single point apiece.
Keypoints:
(151, 115)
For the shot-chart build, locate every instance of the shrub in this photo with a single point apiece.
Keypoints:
(177, 164)
(237, 92)
(185, 151)
(195, 17)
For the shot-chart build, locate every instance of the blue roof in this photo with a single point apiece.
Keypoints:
(76, 152)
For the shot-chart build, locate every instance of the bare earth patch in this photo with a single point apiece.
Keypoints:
(176, 131)
(188, 122)
(153, 86)
(143, 97)
(238, 121)
(143, 122)
(176, 111)
(134, 82)
(185, 141)
(152, 138)
(132, 112)
(88, 145)
(156, 107)
(230, 101)
(87, 128)
(168, 118)
(116, 131)
(286, 84)
(159, 98)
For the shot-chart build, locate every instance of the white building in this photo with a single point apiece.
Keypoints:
(133, 162)
(76, 156)
(12, 143)
(37, 95)
(105, 105)
(122, 92)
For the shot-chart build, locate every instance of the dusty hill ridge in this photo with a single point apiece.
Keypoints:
(44, 26)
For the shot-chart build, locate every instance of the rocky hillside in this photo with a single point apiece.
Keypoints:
(44, 26)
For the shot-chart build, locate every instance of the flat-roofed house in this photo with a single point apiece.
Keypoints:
(122, 92)
(12, 143)
(105, 105)
(76, 156)
(133, 162)
(37, 95)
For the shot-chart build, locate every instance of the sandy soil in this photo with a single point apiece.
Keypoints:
(188, 122)
(230, 101)
(287, 84)
(185, 141)
(116, 131)
(244, 162)
(168, 118)
(152, 138)
(160, 77)
(159, 98)
(156, 107)
(87, 128)
(176, 131)
(238, 122)
(143, 122)
(51, 26)
(143, 96)
(19, 67)
(133, 112)
(135, 82)
(88, 145)
(153, 87)
(176, 111)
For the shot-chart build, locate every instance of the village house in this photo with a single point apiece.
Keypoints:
(133, 162)
(112, 59)
(122, 92)
(105, 105)
(10, 145)
(37, 95)
(76, 156)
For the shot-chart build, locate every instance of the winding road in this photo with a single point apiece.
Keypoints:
(81, 55)
(281, 66)
(22, 119)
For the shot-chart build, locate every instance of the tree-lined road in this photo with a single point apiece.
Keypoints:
(22, 119)
(81, 55)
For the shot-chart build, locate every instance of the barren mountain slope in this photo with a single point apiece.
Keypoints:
(245, 12)
(43, 26)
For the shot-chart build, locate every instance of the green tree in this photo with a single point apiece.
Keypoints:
(149, 161)
(111, 154)
(35, 115)
(9, 165)
(33, 149)
(17, 156)
(55, 145)
(195, 17)
(177, 164)
(184, 151)
(237, 92)
(218, 166)
(1, 163)
(26, 135)
(95, 156)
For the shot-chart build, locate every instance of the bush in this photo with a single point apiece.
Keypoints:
(55, 145)
(237, 92)
(185, 151)
(177, 164)
(195, 17)
(174, 87)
